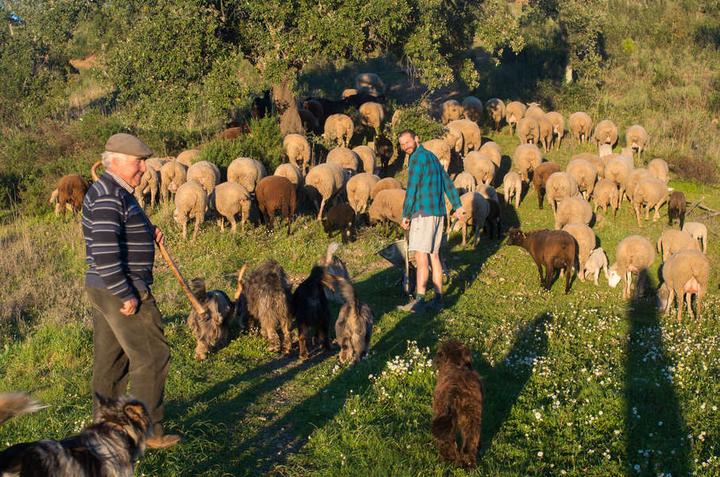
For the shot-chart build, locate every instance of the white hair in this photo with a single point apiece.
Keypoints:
(107, 157)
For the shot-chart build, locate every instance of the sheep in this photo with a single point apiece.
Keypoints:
(596, 261)
(495, 110)
(247, 172)
(540, 177)
(471, 134)
(353, 327)
(454, 140)
(472, 109)
(276, 194)
(672, 241)
(606, 150)
(264, 297)
(573, 210)
(326, 180)
(636, 175)
(558, 127)
(477, 210)
(698, 231)
(676, 208)
(387, 206)
(340, 217)
(528, 131)
(480, 166)
(370, 83)
(316, 108)
(384, 151)
(359, 188)
(173, 174)
(560, 186)
(546, 132)
(580, 125)
(297, 149)
(605, 133)
(345, 158)
(488, 192)
(585, 238)
(372, 115)
(339, 128)
(290, 172)
(606, 193)
(191, 202)
(465, 182)
(232, 199)
(187, 157)
(206, 174)
(212, 332)
(492, 150)
(368, 158)
(685, 274)
(514, 112)
(232, 133)
(385, 184)
(650, 193)
(309, 121)
(149, 182)
(634, 254)
(70, 191)
(347, 92)
(441, 149)
(493, 225)
(451, 111)
(636, 138)
(512, 187)
(593, 159)
(659, 169)
(618, 169)
(585, 175)
(552, 249)
(526, 158)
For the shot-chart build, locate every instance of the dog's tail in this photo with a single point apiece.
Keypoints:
(11, 458)
(15, 404)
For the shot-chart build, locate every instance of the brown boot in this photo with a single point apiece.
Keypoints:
(164, 441)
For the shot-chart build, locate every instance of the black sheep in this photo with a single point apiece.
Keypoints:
(676, 208)
(340, 217)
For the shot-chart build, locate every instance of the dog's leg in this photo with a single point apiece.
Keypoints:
(201, 351)
(287, 337)
(470, 435)
(303, 336)
(444, 433)
(270, 333)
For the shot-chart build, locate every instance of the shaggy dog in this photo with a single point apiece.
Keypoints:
(16, 404)
(457, 405)
(211, 332)
(353, 327)
(311, 310)
(109, 447)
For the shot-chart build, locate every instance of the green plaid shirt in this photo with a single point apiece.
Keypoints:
(428, 183)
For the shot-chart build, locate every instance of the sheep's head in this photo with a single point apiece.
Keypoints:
(613, 277)
(515, 236)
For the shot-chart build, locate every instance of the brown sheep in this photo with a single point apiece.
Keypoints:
(276, 194)
(71, 191)
(552, 249)
(676, 208)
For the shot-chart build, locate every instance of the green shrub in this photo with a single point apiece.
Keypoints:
(417, 118)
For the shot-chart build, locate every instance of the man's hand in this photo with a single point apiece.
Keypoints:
(158, 236)
(459, 214)
(405, 224)
(129, 306)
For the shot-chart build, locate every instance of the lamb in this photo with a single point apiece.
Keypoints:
(297, 149)
(560, 186)
(441, 149)
(480, 166)
(367, 157)
(477, 209)
(345, 158)
(606, 133)
(495, 109)
(451, 110)
(596, 262)
(206, 174)
(512, 187)
(699, 232)
(672, 241)
(385, 184)
(359, 188)
(492, 150)
(290, 172)
(552, 249)
(232, 199)
(650, 193)
(573, 210)
(276, 194)
(370, 83)
(353, 327)
(326, 180)
(606, 194)
(472, 109)
(264, 297)
(585, 175)
(212, 332)
(372, 115)
(580, 125)
(585, 238)
(558, 127)
(618, 169)
(685, 274)
(70, 191)
(187, 157)
(464, 182)
(191, 202)
(387, 206)
(339, 128)
(340, 217)
(593, 159)
(636, 138)
(471, 134)
(676, 208)
(526, 158)
(247, 172)
(634, 254)
(528, 130)
(514, 112)
(540, 177)
(659, 169)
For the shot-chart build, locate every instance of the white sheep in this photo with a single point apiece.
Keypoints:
(191, 202)
(232, 199)
(573, 210)
(345, 158)
(672, 241)
(339, 128)
(528, 130)
(493, 151)
(651, 193)
(585, 238)
(451, 111)
(559, 186)
(580, 125)
(206, 173)
(606, 133)
(187, 157)
(512, 188)
(558, 127)
(514, 112)
(454, 140)
(297, 149)
(173, 174)
(525, 159)
(472, 109)
(685, 274)
(387, 206)
(326, 179)
(368, 158)
(441, 149)
(634, 254)
(465, 182)
(247, 172)
(606, 194)
(585, 175)
(659, 169)
(471, 134)
(495, 109)
(290, 172)
(636, 175)
(476, 209)
(359, 189)
(480, 166)
(150, 181)
(534, 111)
(593, 159)
(385, 184)
(372, 115)
(636, 138)
(699, 232)
(596, 261)
(618, 169)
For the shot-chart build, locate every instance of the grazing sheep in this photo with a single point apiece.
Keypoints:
(264, 297)
(247, 172)
(495, 110)
(353, 327)
(698, 231)
(325, 180)
(676, 208)
(492, 150)
(276, 194)
(685, 274)
(339, 128)
(206, 174)
(488, 192)
(290, 172)
(441, 149)
(606, 194)
(527, 157)
(512, 187)
(672, 241)
(471, 134)
(596, 261)
(385, 184)
(367, 157)
(540, 177)
(187, 157)
(464, 182)
(451, 110)
(558, 127)
(347, 92)
(191, 202)
(150, 182)
(340, 217)
(560, 186)
(454, 139)
(477, 210)
(345, 158)
(372, 115)
(528, 130)
(546, 132)
(593, 159)
(232, 199)
(659, 169)
(472, 109)
(573, 210)
(651, 193)
(387, 207)
(534, 111)
(552, 249)
(173, 174)
(636, 175)
(480, 166)
(618, 169)
(585, 238)
(514, 112)
(606, 133)
(634, 254)
(212, 332)
(585, 175)
(359, 188)
(70, 191)
(636, 138)
(580, 125)
(297, 149)
(370, 83)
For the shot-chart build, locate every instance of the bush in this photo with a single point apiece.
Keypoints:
(417, 118)
(694, 168)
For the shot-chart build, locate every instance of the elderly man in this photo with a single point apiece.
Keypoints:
(129, 344)
(423, 213)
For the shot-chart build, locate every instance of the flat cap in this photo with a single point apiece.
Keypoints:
(127, 144)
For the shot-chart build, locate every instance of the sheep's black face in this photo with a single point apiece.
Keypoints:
(515, 237)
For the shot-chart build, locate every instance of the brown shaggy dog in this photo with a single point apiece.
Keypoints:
(70, 192)
(457, 404)
(210, 333)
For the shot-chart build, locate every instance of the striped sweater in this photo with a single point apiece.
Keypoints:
(119, 244)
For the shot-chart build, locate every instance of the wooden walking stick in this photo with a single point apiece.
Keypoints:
(197, 306)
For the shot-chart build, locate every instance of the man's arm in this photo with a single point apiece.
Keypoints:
(414, 175)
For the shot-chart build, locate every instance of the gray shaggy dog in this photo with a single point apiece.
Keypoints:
(211, 332)
(353, 327)
(264, 297)
(108, 448)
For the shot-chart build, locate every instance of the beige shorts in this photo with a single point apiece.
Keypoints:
(426, 234)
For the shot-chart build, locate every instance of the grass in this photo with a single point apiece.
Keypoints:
(581, 384)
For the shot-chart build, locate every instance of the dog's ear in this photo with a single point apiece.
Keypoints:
(103, 401)
(136, 412)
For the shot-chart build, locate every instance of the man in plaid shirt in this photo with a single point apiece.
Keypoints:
(423, 213)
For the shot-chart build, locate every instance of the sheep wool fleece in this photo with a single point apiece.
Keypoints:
(428, 183)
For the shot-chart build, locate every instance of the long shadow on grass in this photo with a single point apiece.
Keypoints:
(654, 425)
